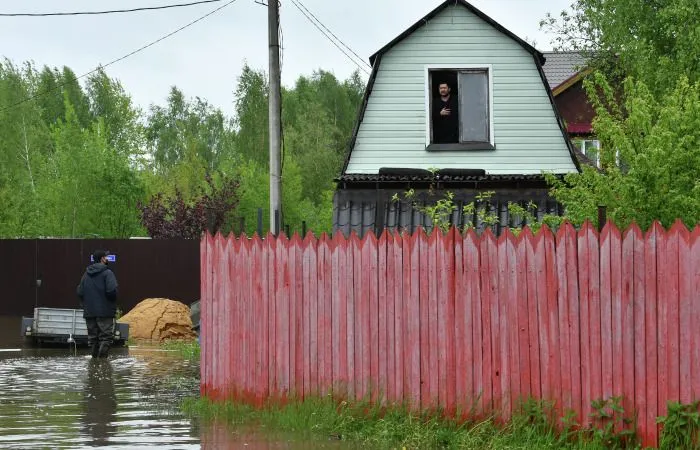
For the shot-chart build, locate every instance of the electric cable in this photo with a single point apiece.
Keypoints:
(332, 34)
(329, 38)
(140, 49)
(113, 11)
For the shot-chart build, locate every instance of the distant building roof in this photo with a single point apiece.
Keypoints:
(560, 66)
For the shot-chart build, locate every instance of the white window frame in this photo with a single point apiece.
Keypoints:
(457, 67)
(587, 143)
(595, 143)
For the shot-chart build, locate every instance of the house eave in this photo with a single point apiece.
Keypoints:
(571, 81)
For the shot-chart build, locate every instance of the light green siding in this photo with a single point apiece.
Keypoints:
(527, 137)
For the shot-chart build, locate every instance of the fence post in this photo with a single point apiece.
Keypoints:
(303, 228)
(260, 222)
(286, 230)
(602, 217)
(242, 226)
(276, 231)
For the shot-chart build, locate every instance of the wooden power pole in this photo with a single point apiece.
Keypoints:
(275, 117)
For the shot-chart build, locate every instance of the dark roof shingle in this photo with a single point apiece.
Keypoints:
(560, 66)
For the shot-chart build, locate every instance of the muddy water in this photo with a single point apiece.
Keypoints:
(63, 399)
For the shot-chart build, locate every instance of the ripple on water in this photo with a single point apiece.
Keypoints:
(58, 401)
(50, 400)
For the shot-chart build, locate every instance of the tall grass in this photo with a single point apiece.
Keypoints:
(395, 427)
(189, 350)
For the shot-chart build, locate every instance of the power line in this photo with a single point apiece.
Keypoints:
(113, 11)
(329, 38)
(39, 94)
(336, 37)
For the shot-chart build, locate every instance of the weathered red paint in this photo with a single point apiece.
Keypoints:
(606, 312)
(412, 303)
(573, 317)
(489, 376)
(388, 351)
(523, 326)
(672, 315)
(624, 357)
(424, 318)
(530, 243)
(652, 343)
(562, 317)
(695, 308)
(504, 313)
(399, 318)
(445, 320)
(687, 327)
(473, 324)
(463, 326)
(382, 326)
(584, 255)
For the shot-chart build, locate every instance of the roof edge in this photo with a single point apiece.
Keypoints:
(557, 114)
(532, 50)
(572, 80)
(360, 115)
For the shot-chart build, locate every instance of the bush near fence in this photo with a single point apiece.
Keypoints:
(456, 321)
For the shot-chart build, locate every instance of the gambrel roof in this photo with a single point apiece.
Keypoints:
(375, 61)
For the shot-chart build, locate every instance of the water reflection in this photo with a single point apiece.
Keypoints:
(219, 436)
(100, 401)
(127, 401)
(61, 399)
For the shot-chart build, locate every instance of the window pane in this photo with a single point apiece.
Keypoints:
(474, 106)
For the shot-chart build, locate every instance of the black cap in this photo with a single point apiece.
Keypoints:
(97, 255)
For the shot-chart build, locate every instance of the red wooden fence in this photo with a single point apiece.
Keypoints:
(457, 322)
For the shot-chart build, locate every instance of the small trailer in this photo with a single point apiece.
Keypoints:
(60, 325)
(194, 315)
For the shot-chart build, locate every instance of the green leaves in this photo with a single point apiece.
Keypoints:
(646, 96)
(77, 159)
(681, 427)
(658, 143)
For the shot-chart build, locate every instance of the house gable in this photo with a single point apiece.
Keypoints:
(393, 127)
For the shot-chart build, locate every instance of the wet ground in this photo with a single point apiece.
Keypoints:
(61, 398)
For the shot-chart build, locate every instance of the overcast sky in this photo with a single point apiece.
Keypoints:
(206, 59)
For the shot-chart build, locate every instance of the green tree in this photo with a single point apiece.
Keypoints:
(76, 156)
(252, 117)
(109, 101)
(183, 128)
(318, 116)
(23, 142)
(654, 41)
(50, 96)
(645, 92)
(659, 141)
(86, 187)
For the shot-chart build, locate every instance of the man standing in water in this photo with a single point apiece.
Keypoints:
(98, 293)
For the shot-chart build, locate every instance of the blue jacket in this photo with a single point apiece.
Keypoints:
(98, 291)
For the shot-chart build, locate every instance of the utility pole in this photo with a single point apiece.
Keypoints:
(275, 117)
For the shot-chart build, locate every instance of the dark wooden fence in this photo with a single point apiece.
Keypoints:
(144, 268)
(458, 321)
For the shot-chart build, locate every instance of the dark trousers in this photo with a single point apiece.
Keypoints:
(100, 334)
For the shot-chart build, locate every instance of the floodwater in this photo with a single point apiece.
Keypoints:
(62, 399)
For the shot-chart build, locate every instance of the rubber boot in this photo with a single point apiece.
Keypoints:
(94, 350)
(104, 350)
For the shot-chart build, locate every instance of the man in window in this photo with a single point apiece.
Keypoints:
(445, 116)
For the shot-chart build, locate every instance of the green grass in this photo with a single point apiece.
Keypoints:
(189, 350)
(393, 427)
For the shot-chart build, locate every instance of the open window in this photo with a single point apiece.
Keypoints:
(459, 113)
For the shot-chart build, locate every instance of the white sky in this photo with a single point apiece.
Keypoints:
(206, 59)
